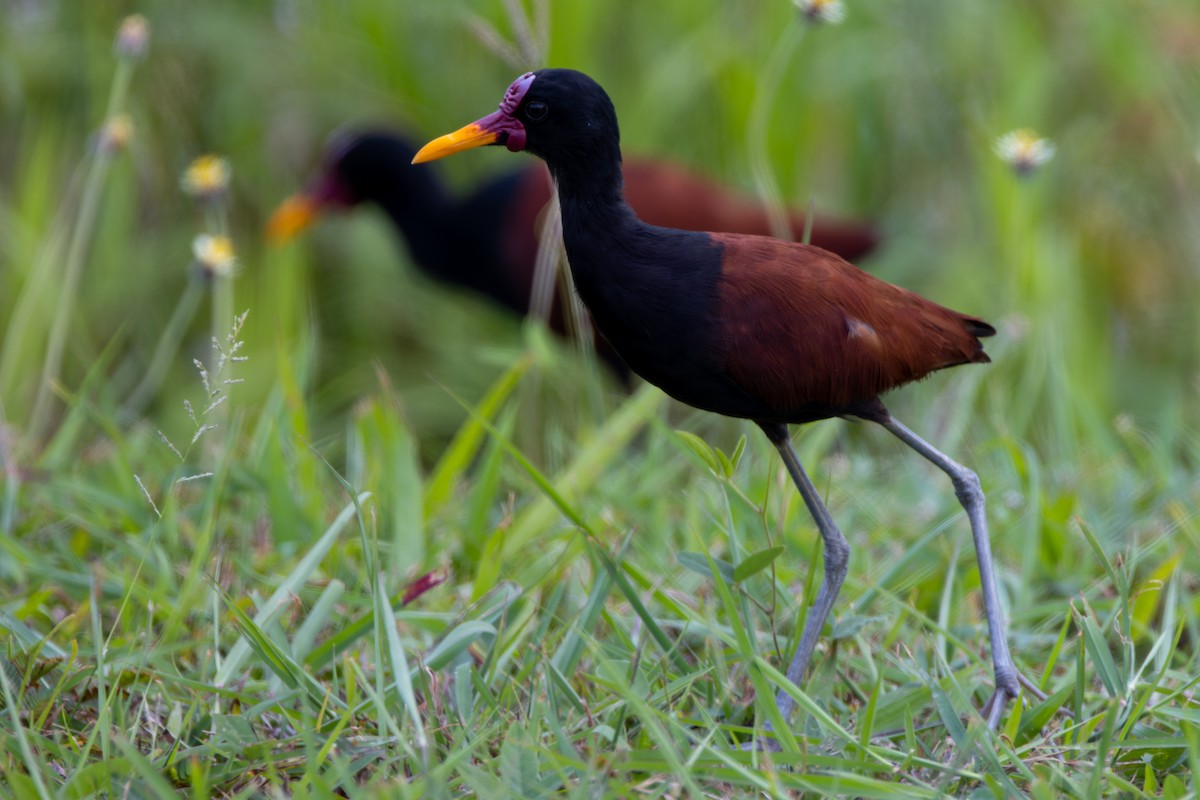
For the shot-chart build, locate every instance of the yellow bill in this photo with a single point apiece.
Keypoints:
(293, 215)
(465, 138)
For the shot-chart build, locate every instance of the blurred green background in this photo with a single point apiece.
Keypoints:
(1084, 429)
(1089, 266)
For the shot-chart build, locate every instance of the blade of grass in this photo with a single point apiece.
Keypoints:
(319, 616)
(289, 586)
(764, 694)
(400, 670)
(466, 442)
(1102, 660)
(591, 537)
(81, 235)
(570, 649)
(280, 663)
(32, 765)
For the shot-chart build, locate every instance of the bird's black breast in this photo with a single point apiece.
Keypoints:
(653, 295)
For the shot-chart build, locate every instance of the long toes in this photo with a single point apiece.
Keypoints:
(762, 744)
(993, 709)
(1030, 686)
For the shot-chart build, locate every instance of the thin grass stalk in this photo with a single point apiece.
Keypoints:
(81, 236)
(103, 712)
(222, 296)
(167, 349)
(32, 764)
(222, 283)
(36, 288)
(760, 115)
(12, 478)
(737, 554)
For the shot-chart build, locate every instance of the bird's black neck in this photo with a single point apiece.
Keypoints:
(585, 162)
(592, 185)
(651, 291)
(624, 268)
(592, 201)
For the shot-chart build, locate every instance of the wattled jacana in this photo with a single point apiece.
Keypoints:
(487, 241)
(746, 326)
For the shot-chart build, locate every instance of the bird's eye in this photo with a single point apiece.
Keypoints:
(537, 111)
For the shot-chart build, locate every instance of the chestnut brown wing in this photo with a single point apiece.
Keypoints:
(802, 328)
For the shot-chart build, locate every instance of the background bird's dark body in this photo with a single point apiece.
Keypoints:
(465, 241)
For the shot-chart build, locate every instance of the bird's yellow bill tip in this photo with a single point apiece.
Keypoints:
(465, 138)
(293, 215)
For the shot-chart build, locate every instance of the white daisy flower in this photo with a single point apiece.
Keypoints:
(214, 254)
(831, 12)
(1024, 150)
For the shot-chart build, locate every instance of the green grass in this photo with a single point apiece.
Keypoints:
(427, 553)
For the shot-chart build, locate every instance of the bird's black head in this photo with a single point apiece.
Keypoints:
(357, 166)
(559, 115)
(567, 115)
(366, 165)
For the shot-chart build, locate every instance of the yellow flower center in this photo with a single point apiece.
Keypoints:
(206, 176)
(117, 132)
(214, 253)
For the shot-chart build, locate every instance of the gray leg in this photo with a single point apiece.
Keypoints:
(837, 556)
(970, 495)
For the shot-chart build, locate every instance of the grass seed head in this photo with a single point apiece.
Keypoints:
(133, 37)
(116, 134)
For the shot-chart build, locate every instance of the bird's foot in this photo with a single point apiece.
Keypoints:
(994, 707)
(762, 744)
(764, 741)
(1008, 687)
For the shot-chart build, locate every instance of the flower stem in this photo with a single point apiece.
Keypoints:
(760, 115)
(222, 301)
(81, 234)
(168, 346)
